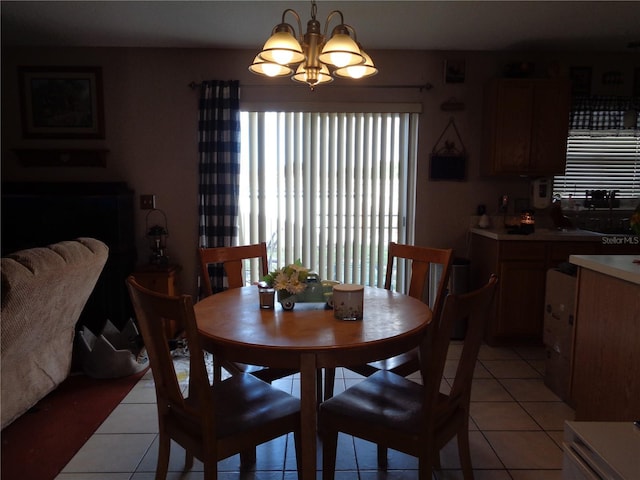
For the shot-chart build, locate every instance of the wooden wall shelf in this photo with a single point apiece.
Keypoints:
(62, 157)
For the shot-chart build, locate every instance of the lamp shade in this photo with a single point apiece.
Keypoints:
(341, 51)
(366, 69)
(270, 69)
(282, 48)
(311, 76)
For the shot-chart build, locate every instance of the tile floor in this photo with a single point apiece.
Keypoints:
(516, 432)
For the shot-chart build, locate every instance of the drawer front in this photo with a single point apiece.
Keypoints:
(522, 250)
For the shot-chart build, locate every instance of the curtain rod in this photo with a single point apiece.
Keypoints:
(427, 86)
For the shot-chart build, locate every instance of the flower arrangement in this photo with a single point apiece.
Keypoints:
(290, 278)
(635, 221)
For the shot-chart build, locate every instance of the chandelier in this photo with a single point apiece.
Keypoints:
(312, 59)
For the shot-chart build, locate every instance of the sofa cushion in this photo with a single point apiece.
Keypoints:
(43, 293)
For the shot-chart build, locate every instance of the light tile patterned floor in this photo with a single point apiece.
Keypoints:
(515, 432)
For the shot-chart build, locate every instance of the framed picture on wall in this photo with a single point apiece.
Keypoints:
(61, 102)
(454, 71)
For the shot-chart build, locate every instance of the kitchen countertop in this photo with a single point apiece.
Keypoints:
(617, 266)
(540, 234)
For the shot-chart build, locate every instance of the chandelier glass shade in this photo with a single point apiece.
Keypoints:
(269, 69)
(314, 59)
(365, 69)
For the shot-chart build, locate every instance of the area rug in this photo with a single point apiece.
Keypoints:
(41, 442)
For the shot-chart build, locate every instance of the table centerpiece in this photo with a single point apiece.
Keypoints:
(295, 283)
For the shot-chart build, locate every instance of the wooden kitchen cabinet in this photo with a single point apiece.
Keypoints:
(526, 125)
(521, 309)
(518, 309)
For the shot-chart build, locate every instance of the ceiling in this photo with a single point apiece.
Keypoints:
(422, 25)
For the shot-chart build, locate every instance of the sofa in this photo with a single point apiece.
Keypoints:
(43, 293)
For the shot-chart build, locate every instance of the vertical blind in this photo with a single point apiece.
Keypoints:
(330, 189)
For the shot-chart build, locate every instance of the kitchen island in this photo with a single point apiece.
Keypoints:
(605, 383)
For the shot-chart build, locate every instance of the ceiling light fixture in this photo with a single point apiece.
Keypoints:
(314, 56)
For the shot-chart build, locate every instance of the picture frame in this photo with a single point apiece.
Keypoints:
(454, 71)
(580, 81)
(61, 102)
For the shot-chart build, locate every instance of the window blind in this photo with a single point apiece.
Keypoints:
(331, 189)
(601, 161)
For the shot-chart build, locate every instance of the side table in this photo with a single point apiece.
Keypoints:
(161, 279)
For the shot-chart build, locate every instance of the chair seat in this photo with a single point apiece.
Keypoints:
(246, 403)
(384, 399)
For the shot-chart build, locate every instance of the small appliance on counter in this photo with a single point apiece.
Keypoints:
(541, 191)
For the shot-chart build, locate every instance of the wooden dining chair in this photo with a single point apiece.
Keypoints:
(394, 412)
(232, 259)
(420, 260)
(215, 421)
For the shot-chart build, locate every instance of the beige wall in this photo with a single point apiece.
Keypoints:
(151, 127)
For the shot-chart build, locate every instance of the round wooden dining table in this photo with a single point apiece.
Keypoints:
(233, 326)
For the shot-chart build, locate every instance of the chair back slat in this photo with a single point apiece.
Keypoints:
(420, 261)
(232, 260)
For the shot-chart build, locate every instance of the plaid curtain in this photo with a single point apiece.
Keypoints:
(219, 168)
(605, 113)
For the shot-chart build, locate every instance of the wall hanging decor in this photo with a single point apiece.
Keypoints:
(61, 102)
(447, 161)
(454, 71)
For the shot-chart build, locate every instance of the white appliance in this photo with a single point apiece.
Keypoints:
(601, 450)
(541, 192)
